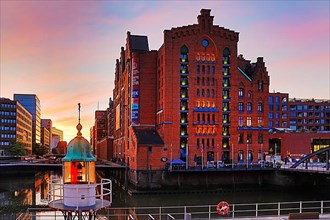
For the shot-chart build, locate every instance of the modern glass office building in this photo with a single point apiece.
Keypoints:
(32, 103)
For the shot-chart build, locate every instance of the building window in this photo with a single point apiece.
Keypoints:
(260, 138)
(213, 70)
(240, 121)
(198, 117)
(198, 93)
(249, 107)
(240, 93)
(240, 107)
(198, 69)
(260, 107)
(240, 138)
(198, 81)
(203, 69)
(208, 69)
(249, 138)
(249, 95)
(260, 121)
(240, 156)
(249, 121)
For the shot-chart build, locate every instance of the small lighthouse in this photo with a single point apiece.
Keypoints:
(75, 194)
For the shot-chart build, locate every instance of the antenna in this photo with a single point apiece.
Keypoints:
(79, 111)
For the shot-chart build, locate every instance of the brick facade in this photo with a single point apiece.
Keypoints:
(189, 92)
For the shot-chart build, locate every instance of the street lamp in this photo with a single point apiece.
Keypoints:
(247, 153)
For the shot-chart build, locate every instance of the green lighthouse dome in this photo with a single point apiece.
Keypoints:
(79, 149)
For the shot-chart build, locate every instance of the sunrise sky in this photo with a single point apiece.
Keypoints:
(65, 51)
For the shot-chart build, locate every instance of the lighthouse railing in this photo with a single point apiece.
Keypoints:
(55, 192)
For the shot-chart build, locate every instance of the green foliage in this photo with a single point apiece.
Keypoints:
(17, 149)
(40, 150)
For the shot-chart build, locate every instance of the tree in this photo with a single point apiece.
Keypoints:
(40, 150)
(17, 149)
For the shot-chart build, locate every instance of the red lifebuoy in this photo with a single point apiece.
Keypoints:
(223, 208)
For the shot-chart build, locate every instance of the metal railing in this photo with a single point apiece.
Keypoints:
(256, 210)
(56, 191)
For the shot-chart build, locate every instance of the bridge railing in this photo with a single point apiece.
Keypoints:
(256, 210)
(315, 167)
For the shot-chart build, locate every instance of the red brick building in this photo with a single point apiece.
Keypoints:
(194, 99)
(296, 144)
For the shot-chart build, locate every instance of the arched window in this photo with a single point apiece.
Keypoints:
(184, 49)
(249, 107)
(240, 92)
(260, 107)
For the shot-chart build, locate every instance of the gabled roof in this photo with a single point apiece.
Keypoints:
(148, 137)
(139, 43)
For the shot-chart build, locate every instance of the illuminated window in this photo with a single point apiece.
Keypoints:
(259, 121)
(240, 93)
(249, 121)
(198, 56)
(240, 121)
(213, 57)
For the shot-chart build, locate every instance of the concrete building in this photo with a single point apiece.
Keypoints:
(194, 99)
(45, 137)
(100, 129)
(15, 126)
(298, 114)
(57, 136)
(32, 103)
(278, 110)
(48, 124)
(309, 114)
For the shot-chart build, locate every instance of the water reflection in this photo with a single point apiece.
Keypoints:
(29, 190)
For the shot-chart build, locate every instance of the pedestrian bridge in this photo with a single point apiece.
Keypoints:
(305, 164)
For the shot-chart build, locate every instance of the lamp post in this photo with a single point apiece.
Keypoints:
(247, 153)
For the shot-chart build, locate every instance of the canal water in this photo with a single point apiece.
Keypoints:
(19, 192)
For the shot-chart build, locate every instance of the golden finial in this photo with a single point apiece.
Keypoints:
(79, 126)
